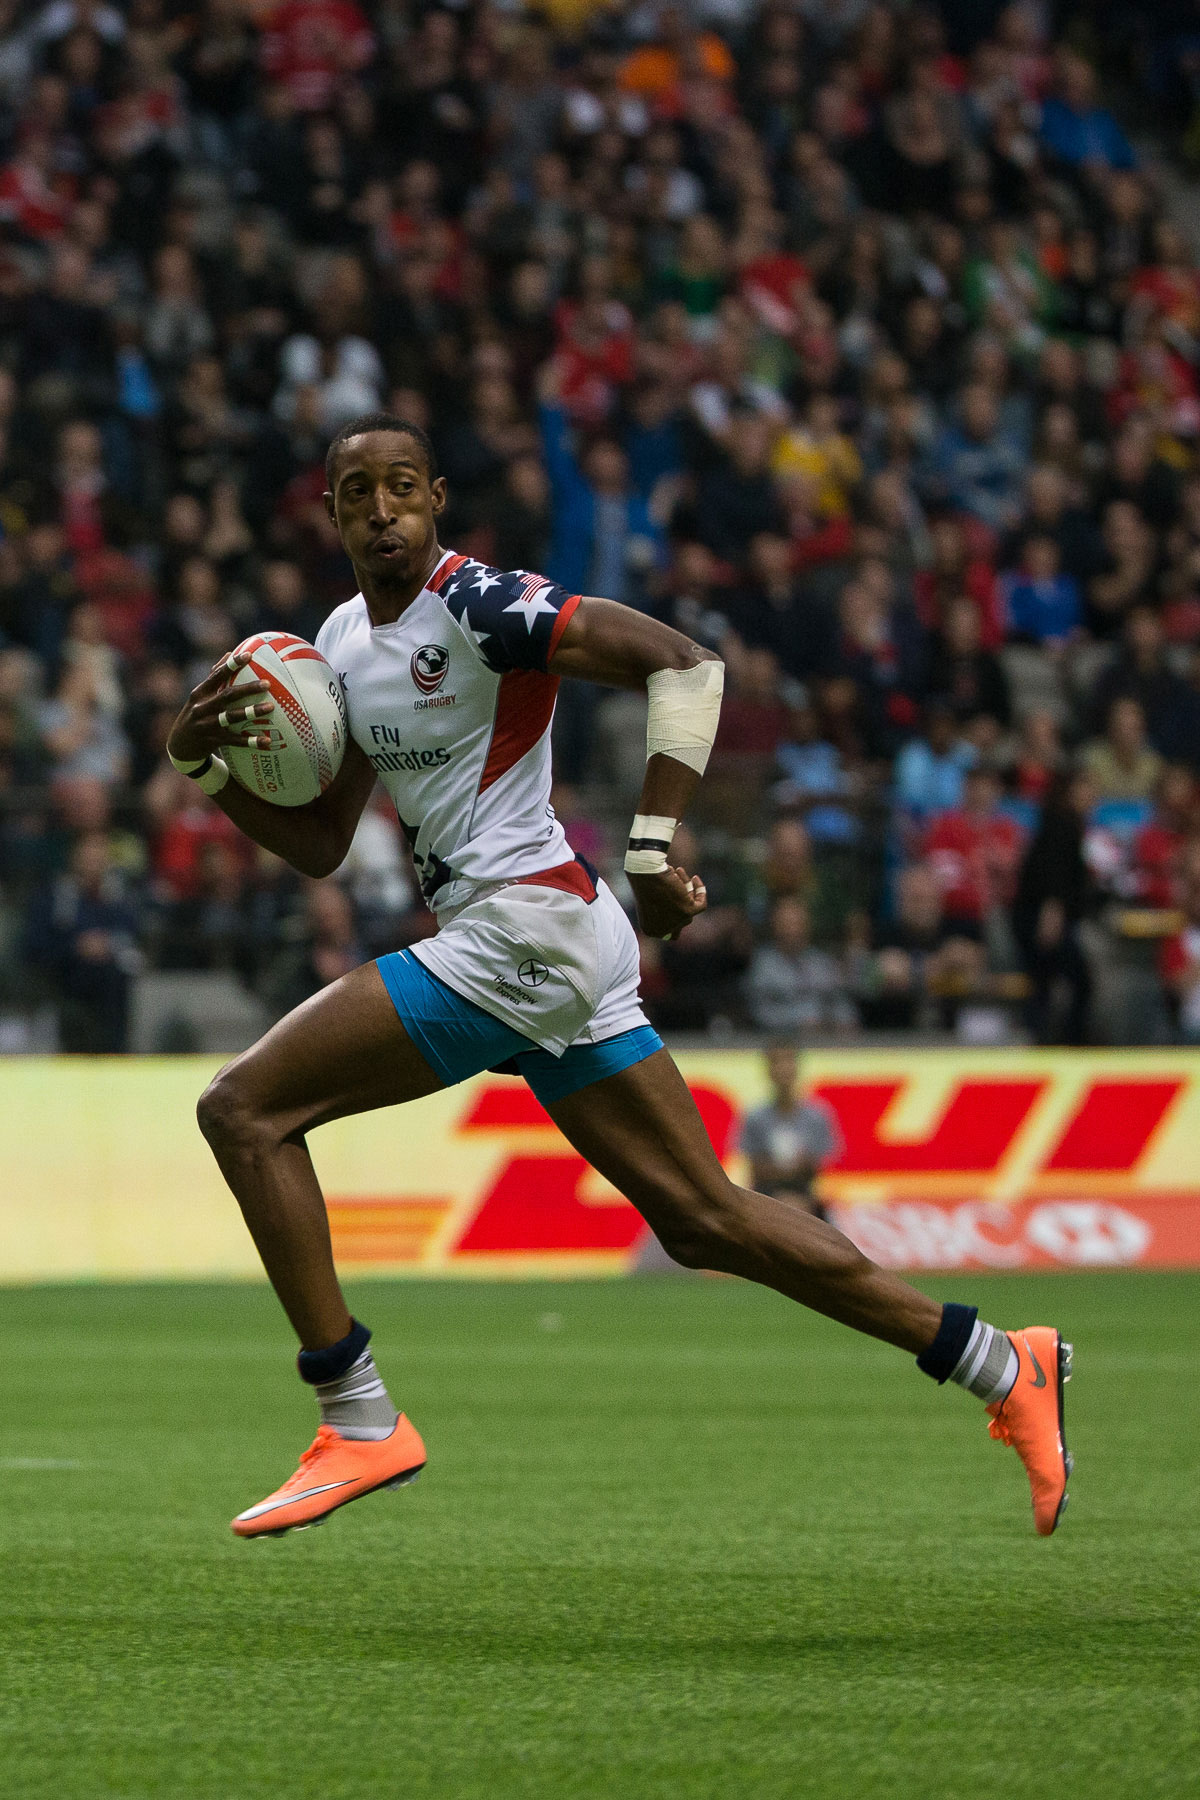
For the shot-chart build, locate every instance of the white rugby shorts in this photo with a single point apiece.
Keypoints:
(556, 966)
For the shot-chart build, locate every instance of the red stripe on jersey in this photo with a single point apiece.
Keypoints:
(566, 613)
(524, 707)
(571, 877)
(440, 577)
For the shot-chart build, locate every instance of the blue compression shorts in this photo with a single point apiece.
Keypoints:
(458, 1039)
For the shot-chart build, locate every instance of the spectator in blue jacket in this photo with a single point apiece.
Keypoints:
(930, 770)
(604, 539)
(1044, 603)
(975, 467)
(1074, 129)
(652, 434)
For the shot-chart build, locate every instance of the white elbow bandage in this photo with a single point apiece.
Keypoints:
(685, 707)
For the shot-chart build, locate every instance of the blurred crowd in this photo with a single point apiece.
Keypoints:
(858, 339)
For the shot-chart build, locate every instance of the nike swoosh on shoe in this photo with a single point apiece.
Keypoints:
(1038, 1380)
(273, 1505)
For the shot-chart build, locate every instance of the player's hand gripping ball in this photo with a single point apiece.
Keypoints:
(306, 737)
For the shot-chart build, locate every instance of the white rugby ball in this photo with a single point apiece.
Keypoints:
(307, 727)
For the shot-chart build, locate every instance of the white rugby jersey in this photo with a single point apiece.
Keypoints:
(452, 704)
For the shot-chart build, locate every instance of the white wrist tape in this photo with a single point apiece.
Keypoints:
(209, 773)
(649, 840)
(685, 708)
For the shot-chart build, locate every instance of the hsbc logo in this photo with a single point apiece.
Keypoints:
(1080, 1234)
(428, 667)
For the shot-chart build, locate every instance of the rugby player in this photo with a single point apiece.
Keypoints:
(450, 670)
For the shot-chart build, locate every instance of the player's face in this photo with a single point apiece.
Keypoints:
(385, 507)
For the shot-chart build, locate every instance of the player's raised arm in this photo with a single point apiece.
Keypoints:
(618, 647)
(314, 839)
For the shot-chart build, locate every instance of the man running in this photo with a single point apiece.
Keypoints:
(450, 670)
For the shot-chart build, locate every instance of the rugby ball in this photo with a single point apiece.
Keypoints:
(307, 727)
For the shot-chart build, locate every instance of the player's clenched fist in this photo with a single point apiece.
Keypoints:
(668, 901)
(209, 718)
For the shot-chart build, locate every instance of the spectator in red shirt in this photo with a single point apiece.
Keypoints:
(1159, 846)
(182, 823)
(595, 357)
(1171, 284)
(953, 571)
(1039, 755)
(771, 280)
(1155, 378)
(30, 202)
(309, 44)
(81, 483)
(1179, 961)
(975, 851)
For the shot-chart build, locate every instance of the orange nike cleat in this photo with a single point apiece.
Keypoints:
(1030, 1420)
(333, 1471)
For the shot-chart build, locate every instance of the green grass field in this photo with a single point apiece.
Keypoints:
(676, 1538)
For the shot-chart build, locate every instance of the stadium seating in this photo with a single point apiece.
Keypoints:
(870, 333)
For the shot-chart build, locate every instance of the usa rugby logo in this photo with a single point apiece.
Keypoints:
(429, 665)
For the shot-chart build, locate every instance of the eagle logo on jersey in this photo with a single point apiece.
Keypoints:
(429, 665)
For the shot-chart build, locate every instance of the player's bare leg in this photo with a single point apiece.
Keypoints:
(641, 1130)
(344, 1051)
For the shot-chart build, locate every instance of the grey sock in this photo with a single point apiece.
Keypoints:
(357, 1404)
(988, 1365)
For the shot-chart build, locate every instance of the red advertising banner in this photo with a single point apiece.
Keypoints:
(1011, 1159)
(1020, 1161)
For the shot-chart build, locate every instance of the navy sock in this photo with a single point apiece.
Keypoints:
(317, 1366)
(953, 1335)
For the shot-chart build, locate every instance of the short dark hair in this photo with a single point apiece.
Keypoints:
(382, 421)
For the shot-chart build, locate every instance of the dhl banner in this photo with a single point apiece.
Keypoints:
(964, 1160)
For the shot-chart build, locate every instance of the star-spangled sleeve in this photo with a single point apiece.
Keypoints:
(514, 618)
